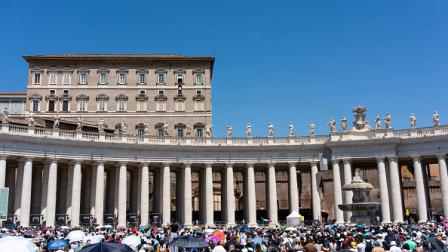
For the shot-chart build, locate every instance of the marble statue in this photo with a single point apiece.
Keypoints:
(360, 123)
(291, 129)
(123, 127)
(229, 130)
(332, 125)
(270, 129)
(208, 130)
(377, 122)
(5, 115)
(387, 121)
(31, 119)
(248, 130)
(312, 128)
(79, 126)
(344, 123)
(101, 126)
(436, 119)
(145, 129)
(165, 129)
(56, 122)
(413, 120)
(188, 130)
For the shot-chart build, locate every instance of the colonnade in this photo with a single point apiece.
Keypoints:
(388, 173)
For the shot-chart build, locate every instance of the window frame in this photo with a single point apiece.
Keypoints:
(66, 78)
(52, 81)
(100, 74)
(81, 82)
(34, 78)
(121, 81)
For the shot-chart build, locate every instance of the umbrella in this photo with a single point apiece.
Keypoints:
(189, 242)
(209, 231)
(29, 234)
(93, 239)
(16, 244)
(212, 239)
(220, 234)
(132, 241)
(219, 249)
(291, 229)
(245, 229)
(107, 247)
(57, 244)
(76, 235)
(257, 240)
(107, 226)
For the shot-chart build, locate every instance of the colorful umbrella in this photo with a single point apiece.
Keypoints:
(212, 239)
(220, 234)
(57, 244)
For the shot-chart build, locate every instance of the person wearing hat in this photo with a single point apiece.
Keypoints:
(378, 247)
(394, 247)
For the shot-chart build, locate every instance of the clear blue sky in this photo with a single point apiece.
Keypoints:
(280, 61)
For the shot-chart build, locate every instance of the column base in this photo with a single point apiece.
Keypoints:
(386, 222)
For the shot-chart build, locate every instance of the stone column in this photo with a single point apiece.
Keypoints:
(420, 190)
(251, 197)
(188, 200)
(51, 193)
(230, 196)
(122, 191)
(293, 191)
(384, 192)
(144, 195)
(315, 192)
(209, 209)
(2, 171)
(76, 193)
(99, 193)
(395, 190)
(443, 183)
(339, 215)
(18, 190)
(25, 203)
(166, 193)
(272, 195)
(348, 195)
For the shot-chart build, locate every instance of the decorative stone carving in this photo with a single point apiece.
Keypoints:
(270, 129)
(165, 129)
(360, 123)
(5, 115)
(56, 122)
(291, 130)
(312, 128)
(378, 122)
(208, 130)
(413, 120)
(188, 130)
(248, 130)
(146, 129)
(344, 123)
(80, 122)
(229, 130)
(30, 119)
(387, 121)
(436, 119)
(332, 125)
(101, 126)
(123, 126)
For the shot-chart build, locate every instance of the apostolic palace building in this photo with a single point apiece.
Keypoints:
(127, 140)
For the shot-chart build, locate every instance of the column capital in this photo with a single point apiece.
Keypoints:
(50, 161)
(291, 164)
(3, 157)
(346, 160)
(99, 162)
(416, 158)
(143, 164)
(335, 161)
(380, 159)
(186, 165)
(24, 159)
(441, 155)
(250, 164)
(229, 165)
(166, 164)
(75, 162)
(392, 158)
(271, 164)
(314, 162)
(208, 165)
(122, 163)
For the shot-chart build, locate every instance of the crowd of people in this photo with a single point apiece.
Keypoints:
(430, 236)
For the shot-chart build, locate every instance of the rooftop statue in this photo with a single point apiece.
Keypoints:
(31, 119)
(5, 114)
(101, 126)
(378, 122)
(312, 127)
(248, 130)
(165, 129)
(79, 126)
(360, 123)
(229, 130)
(291, 130)
(332, 125)
(188, 130)
(413, 120)
(344, 123)
(387, 121)
(208, 130)
(56, 122)
(270, 129)
(436, 119)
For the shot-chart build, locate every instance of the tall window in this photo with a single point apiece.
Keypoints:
(122, 78)
(51, 105)
(36, 78)
(52, 78)
(102, 105)
(199, 105)
(82, 78)
(82, 105)
(160, 78)
(141, 78)
(103, 78)
(180, 132)
(199, 79)
(35, 105)
(159, 132)
(180, 105)
(65, 105)
(66, 79)
(121, 105)
(179, 78)
(140, 128)
(200, 132)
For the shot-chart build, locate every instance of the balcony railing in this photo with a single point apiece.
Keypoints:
(251, 141)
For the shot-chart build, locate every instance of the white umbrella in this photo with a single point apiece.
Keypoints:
(209, 231)
(219, 249)
(132, 241)
(291, 229)
(76, 235)
(17, 244)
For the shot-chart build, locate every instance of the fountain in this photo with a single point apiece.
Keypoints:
(363, 210)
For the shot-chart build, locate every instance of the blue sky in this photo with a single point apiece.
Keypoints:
(279, 61)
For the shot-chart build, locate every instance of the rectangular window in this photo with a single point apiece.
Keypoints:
(141, 105)
(52, 78)
(160, 132)
(65, 105)
(180, 106)
(83, 78)
(36, 78)
(160, 78)
(179, 78)
(52, 92)
(141, 78)
(161, 106)
(180, 132)
(121, 105)
(122, 78)
(103, 78)
(66, 79)
(200, 132)
(35, 106)
(51, 106)
(82, 105)
(199, 105)
(199, 79)
(102, 105)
